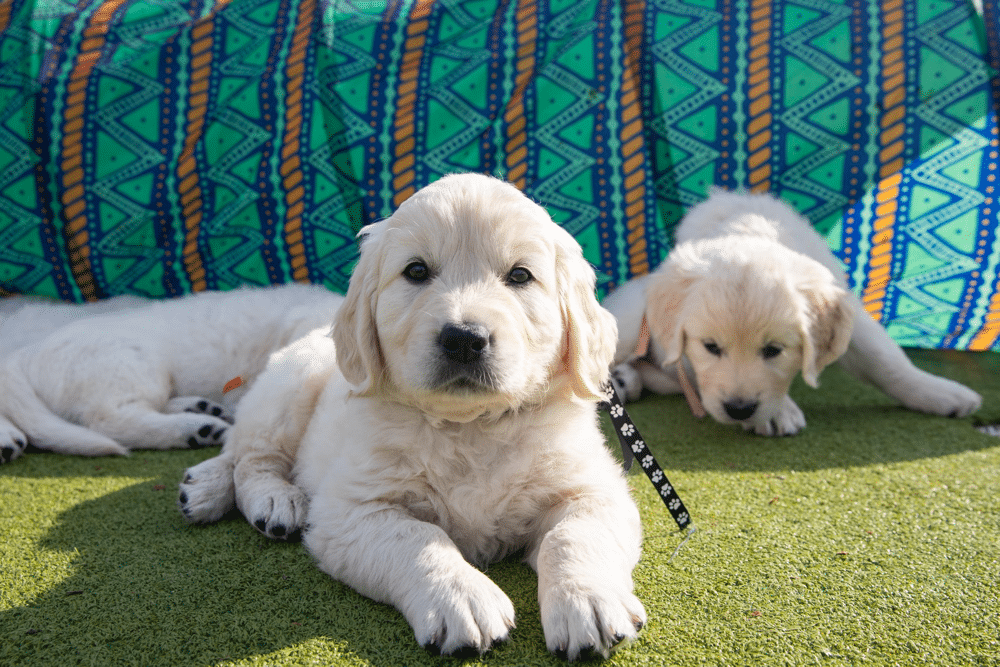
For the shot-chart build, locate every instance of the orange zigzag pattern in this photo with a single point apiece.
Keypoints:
(759, 97)
(516, 148)
(4, 14)
(71, 166)
(187, 175)
(633, 158)
(892, 125)
(189, 190)
(988, 334)
(404, 166)
(291, 166)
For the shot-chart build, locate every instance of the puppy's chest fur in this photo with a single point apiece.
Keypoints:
(488, 487)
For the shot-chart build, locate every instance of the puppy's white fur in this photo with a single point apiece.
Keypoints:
(144, 376)
(28, 319)
(413, 466)
(750, 296)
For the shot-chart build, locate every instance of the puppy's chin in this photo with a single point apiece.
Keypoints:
(458, 404)
(464, 381)
(463, 399)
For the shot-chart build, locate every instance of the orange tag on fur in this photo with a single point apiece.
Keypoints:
(235, 383)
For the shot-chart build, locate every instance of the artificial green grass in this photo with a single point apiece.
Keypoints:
(872, 537)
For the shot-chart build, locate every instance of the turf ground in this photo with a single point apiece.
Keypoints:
(873, 537)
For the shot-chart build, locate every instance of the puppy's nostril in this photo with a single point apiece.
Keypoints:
(464, 342)
(740, 409)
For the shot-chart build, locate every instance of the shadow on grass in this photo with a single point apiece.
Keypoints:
(148, 589)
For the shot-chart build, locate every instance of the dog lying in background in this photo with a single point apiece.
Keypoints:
(28, 319)
(135, 375)
(456, 425)
(750, 296)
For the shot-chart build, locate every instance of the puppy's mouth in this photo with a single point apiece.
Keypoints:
(465, 381)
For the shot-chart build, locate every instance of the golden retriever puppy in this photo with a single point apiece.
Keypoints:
(451, 421)
(106, 379)
(750, 296)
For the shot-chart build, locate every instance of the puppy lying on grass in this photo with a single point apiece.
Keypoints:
(451, 421)
(144, 376)
(750, 296)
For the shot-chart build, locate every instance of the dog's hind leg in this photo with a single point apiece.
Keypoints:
(875, 358)
(631, 377)
(656, 379)
(12, 441)
(198, 405)
(138, 425)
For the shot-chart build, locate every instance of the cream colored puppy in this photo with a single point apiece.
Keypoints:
(144, 376)
(25, 320)
(750, 296)
(452, 423)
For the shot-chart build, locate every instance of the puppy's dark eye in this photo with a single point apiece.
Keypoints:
(416, 272)
(519, 276)
(770, 351)
(713, 348)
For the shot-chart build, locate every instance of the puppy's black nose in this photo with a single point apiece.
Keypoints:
(740, 409)
(464, 342)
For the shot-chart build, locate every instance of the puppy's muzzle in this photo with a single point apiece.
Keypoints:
(464, 343)
(740, 409)
(465, 351)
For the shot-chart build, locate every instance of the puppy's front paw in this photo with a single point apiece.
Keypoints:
(463, 615)
(277, 511)
(627, 381)
(589, 620)
(12, 442)
(788, 420)
(206, 491)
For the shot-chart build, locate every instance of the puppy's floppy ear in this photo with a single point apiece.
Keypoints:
(827, 323)
(666, 293)
(591, 331)
(355, 334)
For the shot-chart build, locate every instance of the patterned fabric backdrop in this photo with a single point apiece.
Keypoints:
(165, 147)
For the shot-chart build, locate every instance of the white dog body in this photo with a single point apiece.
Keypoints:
(151, 377)
(28, 319)
(749, 296)
(474, 493)
(453, 422)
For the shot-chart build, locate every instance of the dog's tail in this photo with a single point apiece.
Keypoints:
(47, 430)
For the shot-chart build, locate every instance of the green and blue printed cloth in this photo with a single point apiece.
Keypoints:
(160, 148)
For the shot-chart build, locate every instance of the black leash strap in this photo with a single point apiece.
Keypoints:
(633, 447)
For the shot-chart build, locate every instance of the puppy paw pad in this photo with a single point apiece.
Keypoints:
(590, 622)
(206, 437)
(199, 406)
(12, 449)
